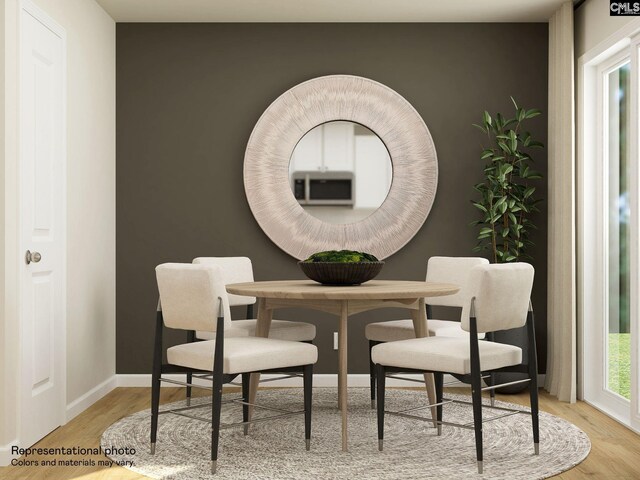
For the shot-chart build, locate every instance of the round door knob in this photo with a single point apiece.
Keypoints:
(34, 257)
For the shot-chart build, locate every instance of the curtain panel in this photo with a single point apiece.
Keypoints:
(561, 377)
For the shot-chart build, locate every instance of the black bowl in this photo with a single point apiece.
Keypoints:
(341, 273)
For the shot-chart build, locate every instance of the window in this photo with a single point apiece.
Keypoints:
(609, 230)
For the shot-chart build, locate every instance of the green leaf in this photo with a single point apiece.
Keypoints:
(505, 232)
(529, 191)
(481, 128)
(504, 148)
(485, 230)
(477, 248)
(480, 206)
(486, 154)
(521, 113)
(499, 202)
(487, 118)
(534, 112)
(513, 140)
(536, 144)
(514, 103)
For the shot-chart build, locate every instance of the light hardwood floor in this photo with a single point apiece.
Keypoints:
(615, 452)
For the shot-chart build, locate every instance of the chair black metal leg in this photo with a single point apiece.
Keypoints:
(533, 395)
(533, 384)
(246, 377)
(372, 374)
(216, 393)
(191, 337)
(381, 379)
(476, 394)
(189, 380)
(476, 386)
(216, 406)
(439, 381)
(490, 336)
(307, 374)
(155, 382)
(155, 406)
(492, 392)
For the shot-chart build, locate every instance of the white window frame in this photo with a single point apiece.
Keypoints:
(592, 228)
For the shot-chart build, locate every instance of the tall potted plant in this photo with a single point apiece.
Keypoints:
(507, 200)
(507, 195)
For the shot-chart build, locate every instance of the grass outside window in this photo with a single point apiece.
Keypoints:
(619, 379)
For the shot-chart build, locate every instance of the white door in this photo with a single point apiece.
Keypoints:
(42, 227)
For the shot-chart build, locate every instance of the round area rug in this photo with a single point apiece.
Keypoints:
(276, 449)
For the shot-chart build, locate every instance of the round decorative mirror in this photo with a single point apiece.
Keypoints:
(340, 162)
(340, 172)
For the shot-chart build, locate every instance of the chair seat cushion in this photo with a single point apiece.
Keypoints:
(444, 354)
(244, 354)
(395, 330)
(280, 330)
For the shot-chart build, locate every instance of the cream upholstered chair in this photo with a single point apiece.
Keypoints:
(500, 300)
(240, 270)
(193, 297)
(454, 270)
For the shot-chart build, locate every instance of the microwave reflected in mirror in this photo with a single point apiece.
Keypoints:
(340, 172)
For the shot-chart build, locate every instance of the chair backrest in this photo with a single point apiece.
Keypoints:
(456, 270)
(190, 296)
(501, 294)
(234, 270)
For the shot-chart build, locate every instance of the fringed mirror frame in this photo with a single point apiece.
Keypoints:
(326, 99)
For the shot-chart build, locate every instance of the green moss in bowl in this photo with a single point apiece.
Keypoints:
(341, 267)
(341, 256)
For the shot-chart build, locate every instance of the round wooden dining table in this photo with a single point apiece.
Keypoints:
(343, 301)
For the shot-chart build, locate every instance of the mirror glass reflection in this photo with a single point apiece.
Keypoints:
(340, 172)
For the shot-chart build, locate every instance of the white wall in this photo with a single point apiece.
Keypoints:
(593, 24)
(90, 200)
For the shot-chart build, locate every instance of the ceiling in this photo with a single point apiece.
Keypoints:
(330, 10)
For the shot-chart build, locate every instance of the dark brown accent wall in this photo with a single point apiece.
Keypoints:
(188, 96)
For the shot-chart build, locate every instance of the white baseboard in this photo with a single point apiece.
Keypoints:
(5, 453)
(80, 404)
